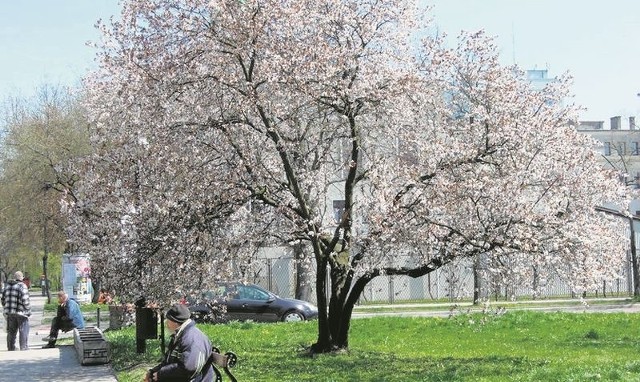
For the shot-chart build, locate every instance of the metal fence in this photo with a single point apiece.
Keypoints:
(451, 283)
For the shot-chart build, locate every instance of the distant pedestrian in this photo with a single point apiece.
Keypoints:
(17, 309)
(43, 285)
(187, 353)
(104, 297)
(27, 281)
(68, 317)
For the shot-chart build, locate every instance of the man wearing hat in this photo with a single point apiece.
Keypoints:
(17, 309)
(187, 353)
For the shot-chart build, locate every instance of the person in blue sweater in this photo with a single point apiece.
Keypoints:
(67, 318)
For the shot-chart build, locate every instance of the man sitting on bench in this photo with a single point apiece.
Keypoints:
(67, 318)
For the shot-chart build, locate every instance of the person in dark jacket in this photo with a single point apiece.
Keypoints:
(68, 317)
(17, 309)
(187, 353)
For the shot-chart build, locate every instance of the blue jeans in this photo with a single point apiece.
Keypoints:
(15, 323)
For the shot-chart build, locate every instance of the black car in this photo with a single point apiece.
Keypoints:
(241, 302)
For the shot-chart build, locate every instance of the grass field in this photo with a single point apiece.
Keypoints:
(515, 346)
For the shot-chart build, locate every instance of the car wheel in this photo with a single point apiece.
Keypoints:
(292, 316)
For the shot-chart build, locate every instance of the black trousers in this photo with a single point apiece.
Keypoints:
(60, 323)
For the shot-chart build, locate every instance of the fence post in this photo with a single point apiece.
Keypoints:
(270, 272)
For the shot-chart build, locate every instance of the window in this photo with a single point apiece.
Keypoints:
(622, 148)
(338, 211)
(635, 148)
(607, 148)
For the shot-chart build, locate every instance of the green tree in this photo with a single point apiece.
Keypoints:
(41, 137)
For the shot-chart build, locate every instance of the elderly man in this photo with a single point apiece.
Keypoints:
(17, 309)
(187, 353)
(67, 318)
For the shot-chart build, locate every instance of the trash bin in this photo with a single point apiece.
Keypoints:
(146, 324)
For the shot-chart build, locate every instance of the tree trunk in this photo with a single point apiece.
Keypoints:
(96, 285)
(536, 282)
(339, 314)
(334, 324)
(341, 303)
(324, 342)
(45, 264)
(476, 280)
(303, 276)
(333, 330)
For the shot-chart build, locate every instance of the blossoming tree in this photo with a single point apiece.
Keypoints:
(205, 107)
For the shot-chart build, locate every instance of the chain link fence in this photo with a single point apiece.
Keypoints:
(453, 282)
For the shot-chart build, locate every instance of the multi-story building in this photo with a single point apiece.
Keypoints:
(620, 148)
(620, 138)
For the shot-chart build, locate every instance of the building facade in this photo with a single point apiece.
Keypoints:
(619, 146)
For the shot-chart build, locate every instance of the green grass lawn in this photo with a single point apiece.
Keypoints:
(517, 346)
(89, 311)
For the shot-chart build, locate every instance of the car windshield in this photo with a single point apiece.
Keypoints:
(248, 292)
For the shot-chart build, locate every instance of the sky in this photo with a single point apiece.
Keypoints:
(43, 42)
(595, 41)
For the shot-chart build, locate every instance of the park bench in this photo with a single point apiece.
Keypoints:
(225, 361)
(91, 346)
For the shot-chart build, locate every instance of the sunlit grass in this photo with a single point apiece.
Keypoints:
(517, 346)
(89, 312)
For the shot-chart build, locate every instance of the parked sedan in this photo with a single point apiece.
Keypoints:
(238, 301)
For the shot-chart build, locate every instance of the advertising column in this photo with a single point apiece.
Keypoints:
(76, 276)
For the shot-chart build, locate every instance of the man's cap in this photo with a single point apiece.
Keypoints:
(178, 313)
(18, 276)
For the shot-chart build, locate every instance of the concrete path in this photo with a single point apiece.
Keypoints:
(37, 364)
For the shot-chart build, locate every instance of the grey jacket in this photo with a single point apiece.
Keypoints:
(186, 355)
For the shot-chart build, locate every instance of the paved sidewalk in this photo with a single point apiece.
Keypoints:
(37, 364)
